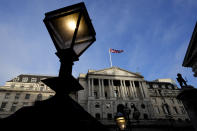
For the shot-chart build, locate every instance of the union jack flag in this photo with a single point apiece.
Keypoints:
(115, 51)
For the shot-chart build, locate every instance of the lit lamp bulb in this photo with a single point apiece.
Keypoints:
(121, 122)
(72, 25)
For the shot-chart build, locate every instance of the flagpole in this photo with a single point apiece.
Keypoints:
(110, 58)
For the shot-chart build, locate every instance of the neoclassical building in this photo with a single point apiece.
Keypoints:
(104, 90)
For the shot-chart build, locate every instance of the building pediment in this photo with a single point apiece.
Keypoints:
(115, 71)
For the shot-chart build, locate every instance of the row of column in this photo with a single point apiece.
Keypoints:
(117, 91)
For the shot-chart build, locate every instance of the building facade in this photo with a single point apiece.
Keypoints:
(190, 59)
(21, 91)
(104, 90)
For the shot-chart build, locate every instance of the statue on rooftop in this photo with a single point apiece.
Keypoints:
(181, 80)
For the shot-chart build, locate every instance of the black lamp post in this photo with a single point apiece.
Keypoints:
(72, 33)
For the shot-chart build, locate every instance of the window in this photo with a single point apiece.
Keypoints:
(3, 106)
(13, 108)
(7, 95)
(17, 96)
(41, 88)
(109, 116)
(98, 116)
(16, 79)
(97, 105)
(33, 79)
(25, 79)
(39, 97)
(27, 96)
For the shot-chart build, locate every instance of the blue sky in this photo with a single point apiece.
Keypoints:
(154, 35)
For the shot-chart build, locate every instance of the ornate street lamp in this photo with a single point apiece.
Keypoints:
(120, 121)
(72, 33)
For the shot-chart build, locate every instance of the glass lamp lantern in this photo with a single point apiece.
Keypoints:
(70, 29)
(121, 122)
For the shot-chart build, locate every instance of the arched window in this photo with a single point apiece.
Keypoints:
(39, 97)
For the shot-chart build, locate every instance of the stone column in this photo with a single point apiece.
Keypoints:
(89, 88)
(103, 90)
(141, 90)
(121, 89)
(131, 90)
(110, 89)
(145, 89)
(125, 89)
(92, 87)
(100, 88)
(134, 88)
(112, 82)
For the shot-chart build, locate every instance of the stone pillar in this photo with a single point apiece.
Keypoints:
(125, 89)
(141, 89)
(135, 90)
(103, 90)
(131, 90)
(89, 88)
(145, 89)
(92, 87)
(100, 88)
(110, 89)
(122, 89)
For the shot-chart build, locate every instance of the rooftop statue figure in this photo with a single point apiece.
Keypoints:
(181, 80)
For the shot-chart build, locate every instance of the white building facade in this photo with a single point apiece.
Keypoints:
(105, 89)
